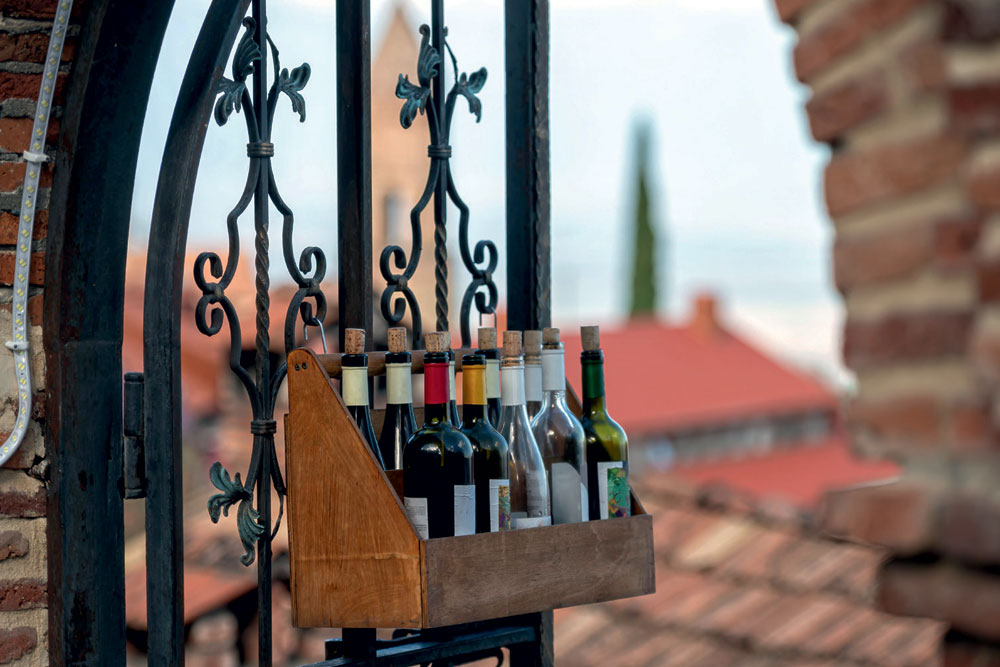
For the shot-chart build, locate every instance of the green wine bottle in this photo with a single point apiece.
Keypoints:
(607, 444)
(489, 450)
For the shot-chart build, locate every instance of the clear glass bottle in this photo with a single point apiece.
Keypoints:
(529, 487)
(533, 372)
(561, 438)
(354, 387)
(607, 444)
(399, 422)
(439, 489)
(488, 347)
(489, 450)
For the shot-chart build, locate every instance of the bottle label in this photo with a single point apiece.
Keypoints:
(553, 370)
(416, 508)
(435, 384)
(492, 378)
(451, 380)
(612, 482)
(398, 384)
(566, 496)
(533, 383)
(584, 503)
(465, 509)
(521, 521)
(354, 385)
(536, 489)
(512, 387)
(499, 505)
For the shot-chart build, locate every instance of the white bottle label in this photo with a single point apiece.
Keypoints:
(465, 509)
(492, 378)
(398, 384)
(499, 505)
(416, 508)
(354, 385)
(521, 521)
(604, 474)
(553, 370)
(512, 388)
(566, 497)
(533, 383)
(584, 503)
(451, 381)
(537, 502)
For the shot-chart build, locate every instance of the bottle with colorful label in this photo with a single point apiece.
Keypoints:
(488, 347)
(529, 487)
(354, 387)
(489, 450)
(439, 490)
(561, 438)
(607, 444)
(399, 422)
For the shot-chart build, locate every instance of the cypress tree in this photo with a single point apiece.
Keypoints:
(643, 297)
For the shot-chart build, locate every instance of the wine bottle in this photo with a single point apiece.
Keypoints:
(489, 450)
(561, 438)
(354, 386)
(529, 487)
(533, 373)
(607, 444)
(399, 422)
(488, 347)
(439, 489)
(456, 420)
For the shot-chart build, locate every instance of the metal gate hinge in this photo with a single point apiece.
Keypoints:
(133, 454)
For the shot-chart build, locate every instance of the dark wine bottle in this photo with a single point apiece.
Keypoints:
(438, 485)
(607, 444)
(399, 422)
(489, 450)
(533, 373)
(354, 386)
(529, 487)
(561, 439)
(456, 420)
(488, 347)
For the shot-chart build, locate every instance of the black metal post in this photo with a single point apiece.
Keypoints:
(354, 167)
(441, 187)
(528, 246)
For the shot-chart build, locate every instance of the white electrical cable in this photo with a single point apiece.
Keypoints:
(34, 157)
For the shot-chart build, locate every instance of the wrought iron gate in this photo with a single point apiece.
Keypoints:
(252, 87)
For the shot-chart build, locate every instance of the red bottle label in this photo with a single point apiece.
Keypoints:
(436, 384)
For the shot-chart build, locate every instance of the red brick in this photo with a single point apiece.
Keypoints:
(13, 544)
(15, 134)
(968, 531)
(9, 226)
(833, 112)
(29, 47)
(875, 258)
(17, 85)
(988, 280)
(844, 31)
(955, 240)
(911, 419)
(858, 179)
(35, 277)
(971, 427)
(789, 10)
(19, 504)
(40, 9)
(22, 594)
(969, 654)
(969, 600)
(35, 305)
(975, 109)
(922, 67)
(898, 515)
(17, 642)
(908, 337)
(12, 175)
(982, 185)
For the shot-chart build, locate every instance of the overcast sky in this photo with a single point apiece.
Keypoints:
(736, 185)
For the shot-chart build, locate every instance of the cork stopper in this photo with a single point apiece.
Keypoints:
(487, 338)
(512, 347)
(436, 341)
(550, 335)
(397, 339)
(354, 341)
(533, 343)
(591, 337)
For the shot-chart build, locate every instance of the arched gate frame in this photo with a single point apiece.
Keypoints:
(91, 200)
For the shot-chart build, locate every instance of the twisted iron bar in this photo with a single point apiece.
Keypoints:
(214, 306)
(421, 98)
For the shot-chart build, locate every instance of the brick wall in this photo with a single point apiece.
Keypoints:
(907, 94)
(24, 35)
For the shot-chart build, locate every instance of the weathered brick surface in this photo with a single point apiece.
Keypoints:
(912, 419)
(20, 495)
(872, 258)
(9, 224)
(17, 642)
(16, 594)
(834, 111)
(912, 337)
(8, 264)
(13, 544)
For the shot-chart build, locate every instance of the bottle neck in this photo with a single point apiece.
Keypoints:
(354, 385)
(533, 381)
(435, 386)
(473, 385)
(512, 385)
(437, 413)
(492, 378)
(451, 380)
(593, 383)
(472, 412)
(553, 370)
(398, 384)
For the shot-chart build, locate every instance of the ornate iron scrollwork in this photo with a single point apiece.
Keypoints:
(421, 98)
(213, 278)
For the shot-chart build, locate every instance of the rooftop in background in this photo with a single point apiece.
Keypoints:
(662, 377)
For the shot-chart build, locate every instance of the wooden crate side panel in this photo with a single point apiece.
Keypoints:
(502, 574)
(355, 559)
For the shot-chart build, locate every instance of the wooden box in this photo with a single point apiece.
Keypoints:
(357, 562)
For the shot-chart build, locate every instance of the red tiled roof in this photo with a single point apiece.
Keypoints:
(799, 474)
(735, 587)
(661, 378)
